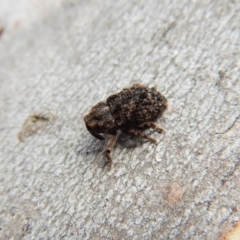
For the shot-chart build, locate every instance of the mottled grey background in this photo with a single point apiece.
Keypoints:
(63, 57)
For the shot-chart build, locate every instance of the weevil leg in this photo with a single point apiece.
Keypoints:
(110, 145)
(137, 133)
(151, 125)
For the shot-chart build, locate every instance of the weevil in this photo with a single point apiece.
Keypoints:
(131, 111)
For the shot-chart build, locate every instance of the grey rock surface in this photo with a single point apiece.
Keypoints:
(61, 59)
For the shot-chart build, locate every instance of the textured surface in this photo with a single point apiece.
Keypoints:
(71, 55)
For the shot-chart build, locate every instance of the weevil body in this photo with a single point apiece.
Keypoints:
(131, 110)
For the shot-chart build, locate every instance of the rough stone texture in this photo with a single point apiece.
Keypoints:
(66, 57)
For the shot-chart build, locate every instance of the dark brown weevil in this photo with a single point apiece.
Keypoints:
(131, 111)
